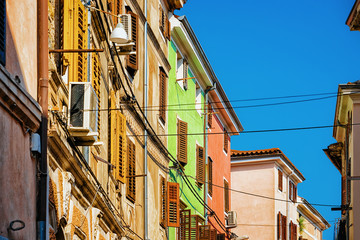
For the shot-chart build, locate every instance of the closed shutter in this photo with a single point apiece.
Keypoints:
(162, 19)
(221, 236)
(163, 201)
(81, 42)
(283, 226)
(291, 231)
(279, 225)
(185, 73)
(295, 231)
(200, 165)
(194, 227)
(116, 8)
(280, 180)
(226, 196)
(163, 95)
(3, 32)
(290, 190)
(114, 154)
(210, 181)
(226, 141)
(132, 60)
(343, 192)
(182, 141)
(184, 229)
(294, 193)
(96, 85)
(213, 234)
(210, 115)
(173, 204)
(121, 147)
(168, 30)
(204, 232)
(131, 171)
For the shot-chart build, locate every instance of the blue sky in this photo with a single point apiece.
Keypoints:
(282, 48)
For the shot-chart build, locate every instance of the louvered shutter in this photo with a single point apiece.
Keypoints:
(163, 201)
(279, 226)
(213, 234)
(185, 73)
(283, 222)
(226, 196)
(80, 42)
(173, 204)
(168, 29)
(221, 236)
(294, 193)
(210, 181)
(210, 115)
(291, 231)
(280, 180)
(184, 229)
(116, 8)
(131, 171)
(200, 165)
(114, 131)
(163, 95)
(295, 231)
(182, 141)
(96, 85)
(3, 32)
(226, 141)
(161, 19)
(204, 232)
(343, 192)
(194, 227)
(132, 60)
(121, 147)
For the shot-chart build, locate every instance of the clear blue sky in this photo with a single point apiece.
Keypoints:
(278, 48)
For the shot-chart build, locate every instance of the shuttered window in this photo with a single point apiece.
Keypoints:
(343, 192)
(163, 95)
(163, 201)
(284, 227)
(210, 181)
(226, 196)
(131, 171)
(3, 32)
(182, 141)
(293, 231)
(226, 141)
(210, 115)
(96, 85)
(279, 226)
(173, 206)
(132, 60)
(221, 236)
(280, 180)
(200, 165)
(184, 229)
(185, 73)
(164, 23)
(194, 227)
(292, 191)
(116, 8)
(204, 232)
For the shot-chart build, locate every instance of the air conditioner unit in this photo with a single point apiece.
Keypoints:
(231, 220)
(83, 112)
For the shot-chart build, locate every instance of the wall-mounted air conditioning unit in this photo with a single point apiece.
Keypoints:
(83, 112)
(126, 48)
(231, 220)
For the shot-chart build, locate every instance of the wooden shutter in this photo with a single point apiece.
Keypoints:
(283, 226)
(295, 231)
(114, 154)
(226, 141)
(210, 181)
(182, 141)
(280, 180)
(173, 206)
(116, 8)
(279, 226)
(210, 115)
(194, 227)
(226, 196)
(294, 192)
(132, 60)
(290, 190)
(204, 232)
(168, 29)
(343, 192)
(200, 165)
(121, 147)
(131, 171)
(185, 73)
(81, 42)
(163, 95)
(96, 85)
(161, 19)
(220, 236)
(184, 229)
(291, 230)
(3, 32)
(163, 202)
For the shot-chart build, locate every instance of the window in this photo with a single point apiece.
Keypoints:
(200, 165)
(116, 8)
(163, 95)
(163, 201)
(182, 141)
(181, 71)
(226, 196)
(210, 181)
(221, 236)
(198, 99)
(293, 231)
(164, 23)
(3, 32)
(131, 171)
(280, 180)
(132, 59)
(173, 205)
(226, 141)
(281, 226)
(292, 191)
(185, 223)
(210, 115)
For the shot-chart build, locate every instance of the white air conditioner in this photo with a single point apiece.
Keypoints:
(231, 220)
(83, 112)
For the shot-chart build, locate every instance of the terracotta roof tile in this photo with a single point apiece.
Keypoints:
(256, 152)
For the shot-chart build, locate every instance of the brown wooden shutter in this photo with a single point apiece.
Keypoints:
(226, 196)
(194, 228)
(200, 165)
(226, 141)
(291, 231)
(220, 236)
(173, 205)
(131, 171)
(295, 231)
(294, 193)
(161, 19)
(204, 232)
(116, 8)
(280, 180)
(121, 147)
(210, 115)
(168, 29)
(185, 73)
(163, 202)
(132, 60)
(283, 222)
(182, 141)
(279, 225)
(3, 32)
(290, 190)
(163, 95)
(210, 181)
(185, 223)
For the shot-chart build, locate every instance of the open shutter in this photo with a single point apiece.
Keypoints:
(283, 231)
(3, 32)
(173, 204)
(221, 236)
(213, 234)
(121, 147)
(194, 227)
(96, 85)
(116, 8)
(132, 60)
(295, 231)
(184, 230)
(226, 141)
(131, 171)
(210, 115)
(163, 95)
(226, 196)
(163, 201)
(80, 39)
(185, 73)
(200, 165)
(294, 193)
(114, 132)
(210, 181)
(182, 141)
(343, 192)
(279, 226)
(204, 232)
(280, 180)
(291, 230)
(168, 30)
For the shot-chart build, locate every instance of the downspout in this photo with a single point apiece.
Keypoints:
(146, 222)
(288, 202)
(206, 188)
(43, 82)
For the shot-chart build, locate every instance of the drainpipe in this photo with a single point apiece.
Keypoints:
(146, 237)
(43, 82)
(288, 201)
